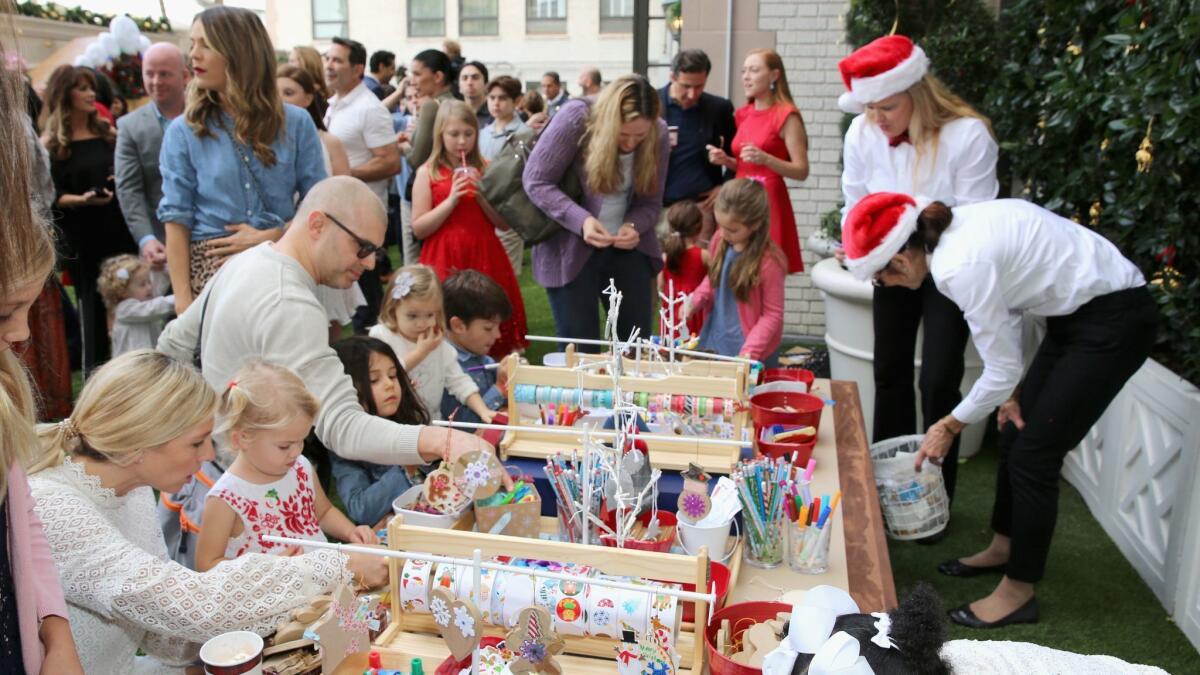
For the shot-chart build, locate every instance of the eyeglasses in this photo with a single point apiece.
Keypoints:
(365, 248)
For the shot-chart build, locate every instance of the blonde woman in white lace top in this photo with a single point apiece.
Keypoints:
(145, 420)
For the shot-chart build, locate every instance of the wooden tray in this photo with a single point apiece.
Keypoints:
(414, 635)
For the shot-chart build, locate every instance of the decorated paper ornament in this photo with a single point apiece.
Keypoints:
(458, 620)
(534, 643)
(693, 502)
(443, 493)
(345, 629)
(478, 474)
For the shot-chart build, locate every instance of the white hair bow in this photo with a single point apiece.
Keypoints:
(883, 630)
(404, 285)
(839, 656)
(809, 628)
(122, 274)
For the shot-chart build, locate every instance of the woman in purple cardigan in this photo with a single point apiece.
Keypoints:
(618, 147)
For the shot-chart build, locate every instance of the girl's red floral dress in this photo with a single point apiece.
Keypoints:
(285, 508)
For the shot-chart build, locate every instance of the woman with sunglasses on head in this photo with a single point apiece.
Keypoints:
(997, 261)
(914, 137)
(234, 162)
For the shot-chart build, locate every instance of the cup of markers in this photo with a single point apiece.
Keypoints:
(809, 533)
(765, 487)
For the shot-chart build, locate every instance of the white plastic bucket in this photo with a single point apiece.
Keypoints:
(715, 537)
(409, 497)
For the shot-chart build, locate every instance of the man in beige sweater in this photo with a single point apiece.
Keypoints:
(262, 305)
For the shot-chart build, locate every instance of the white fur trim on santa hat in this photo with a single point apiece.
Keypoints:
(864, 90)
(877, 258)
(847, 104)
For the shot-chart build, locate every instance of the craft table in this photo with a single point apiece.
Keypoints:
(858, 557)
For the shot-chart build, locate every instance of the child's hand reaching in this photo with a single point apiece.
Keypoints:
(363, 534)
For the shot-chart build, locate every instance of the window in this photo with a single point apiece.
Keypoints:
(330, 19)
(478, 17)
(545, 16)
(426, 18)
(616, 16)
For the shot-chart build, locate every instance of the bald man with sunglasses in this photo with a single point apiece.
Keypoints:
(262, 305)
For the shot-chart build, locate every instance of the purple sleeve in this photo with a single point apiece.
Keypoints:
(644, 210)
(551, 158)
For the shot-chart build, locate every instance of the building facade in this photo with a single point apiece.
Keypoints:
(521, 38)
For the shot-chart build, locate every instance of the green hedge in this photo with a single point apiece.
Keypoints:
(57, 12)
(1073, 90)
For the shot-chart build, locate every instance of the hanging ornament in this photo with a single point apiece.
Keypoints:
(1145, 152)
(1094, 214)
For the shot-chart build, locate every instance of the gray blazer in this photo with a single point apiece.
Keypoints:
(139, 184)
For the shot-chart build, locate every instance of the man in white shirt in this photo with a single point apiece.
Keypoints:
(358, 119)
(553, 91)
(364, 126)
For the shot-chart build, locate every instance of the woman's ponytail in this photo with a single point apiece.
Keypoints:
(931, 223)
(685, 220)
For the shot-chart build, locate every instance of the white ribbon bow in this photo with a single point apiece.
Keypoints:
(122, 274)
(404, 285)
(883, 630)
(809, 628)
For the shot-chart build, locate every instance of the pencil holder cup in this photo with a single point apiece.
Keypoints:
(764, 542)
(808, 547)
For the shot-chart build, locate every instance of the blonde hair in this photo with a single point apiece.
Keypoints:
(26, 256)
(745, 200)
(312, 63)
(56, 117)
(933, 107)
(114, 286)
(629, 98)
(138, 401)
(264, 396)
(258, 119)
(452, 109)
(424, 286)
(772, 61)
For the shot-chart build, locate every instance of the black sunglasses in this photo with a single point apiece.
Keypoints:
(365, 248)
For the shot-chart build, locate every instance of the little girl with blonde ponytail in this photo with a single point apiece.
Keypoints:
(270, 489)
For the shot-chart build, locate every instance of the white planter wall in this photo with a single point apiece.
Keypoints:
(1137, 471)
(850, 336)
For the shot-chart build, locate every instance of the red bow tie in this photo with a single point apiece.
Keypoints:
(897, 140)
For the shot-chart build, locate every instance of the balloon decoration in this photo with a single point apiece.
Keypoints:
(118, 54)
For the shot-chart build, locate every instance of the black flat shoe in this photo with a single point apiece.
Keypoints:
(958, 568)
(1027, 613)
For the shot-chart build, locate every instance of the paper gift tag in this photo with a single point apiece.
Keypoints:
(458, 620)
(478, 474)
(693, 505)
(534, 642)
(443, 493)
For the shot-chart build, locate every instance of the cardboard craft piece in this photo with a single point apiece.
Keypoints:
(478, 474)
(345, 629)
(535, 643)
(443, 493)
(645, 654)
(694, 502)
(526, 519)
(458, 620)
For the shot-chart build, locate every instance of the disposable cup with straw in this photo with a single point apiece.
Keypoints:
(469, 171)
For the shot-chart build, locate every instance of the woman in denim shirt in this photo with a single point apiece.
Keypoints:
(367, 489)
(234, 163)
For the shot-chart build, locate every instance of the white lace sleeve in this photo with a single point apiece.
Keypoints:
(104, 571)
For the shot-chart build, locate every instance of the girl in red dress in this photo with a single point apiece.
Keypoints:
(456, 223)
(770, 145)
(685, 262)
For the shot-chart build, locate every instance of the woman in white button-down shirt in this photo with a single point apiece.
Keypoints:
(997, 261)
(917, 138)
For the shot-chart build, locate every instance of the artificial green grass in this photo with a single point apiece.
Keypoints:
(1092, 601)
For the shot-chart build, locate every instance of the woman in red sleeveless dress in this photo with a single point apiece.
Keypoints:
(456, 224)
(771, 144)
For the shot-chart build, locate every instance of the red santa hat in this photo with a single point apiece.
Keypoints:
(877, 228)
(880, 69)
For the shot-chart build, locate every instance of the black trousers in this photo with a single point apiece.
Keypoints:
(1081, 365)
(576, 306)
(898, 314)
